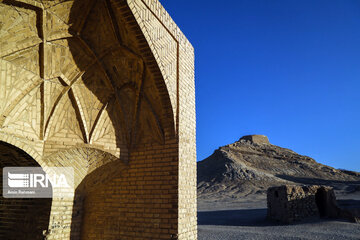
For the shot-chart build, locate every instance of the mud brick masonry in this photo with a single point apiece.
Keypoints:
(105, 87)
(294, 203)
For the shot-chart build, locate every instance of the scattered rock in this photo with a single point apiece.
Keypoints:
(252, 165)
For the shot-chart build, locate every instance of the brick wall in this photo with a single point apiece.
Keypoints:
(105, 87)
(21, 217)
(294, 203)
(163, 35)
(141, 203)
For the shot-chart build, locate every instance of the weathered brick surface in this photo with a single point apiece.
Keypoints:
(163, 35)
(294, 203)
(105, 87)
(139, 204)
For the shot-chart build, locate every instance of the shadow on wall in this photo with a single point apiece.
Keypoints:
(115, 76)
(99, 87)
(118, 77)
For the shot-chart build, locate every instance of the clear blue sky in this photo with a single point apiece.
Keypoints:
(283, 68)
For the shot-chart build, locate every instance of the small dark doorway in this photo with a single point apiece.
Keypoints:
(21, 218)
(320, 198)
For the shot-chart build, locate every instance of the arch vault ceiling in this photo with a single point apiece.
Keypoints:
(75, 70)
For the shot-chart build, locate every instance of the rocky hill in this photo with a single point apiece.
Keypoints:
(252, 164)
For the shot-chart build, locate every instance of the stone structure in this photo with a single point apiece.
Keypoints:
(105, 87)
(293, 203)
(259, 139)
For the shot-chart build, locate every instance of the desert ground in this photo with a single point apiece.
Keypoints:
(232, 185)
(245, 218)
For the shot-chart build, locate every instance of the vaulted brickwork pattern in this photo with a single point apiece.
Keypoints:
(105, 87)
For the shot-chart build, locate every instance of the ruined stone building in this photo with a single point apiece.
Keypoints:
(105, 87)
(288, 203)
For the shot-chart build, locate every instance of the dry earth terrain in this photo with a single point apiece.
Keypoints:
(232, 183)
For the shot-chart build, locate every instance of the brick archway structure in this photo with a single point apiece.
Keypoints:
(105, 87)
(17, 215)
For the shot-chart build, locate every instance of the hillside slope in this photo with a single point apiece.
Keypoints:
(252, 164)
